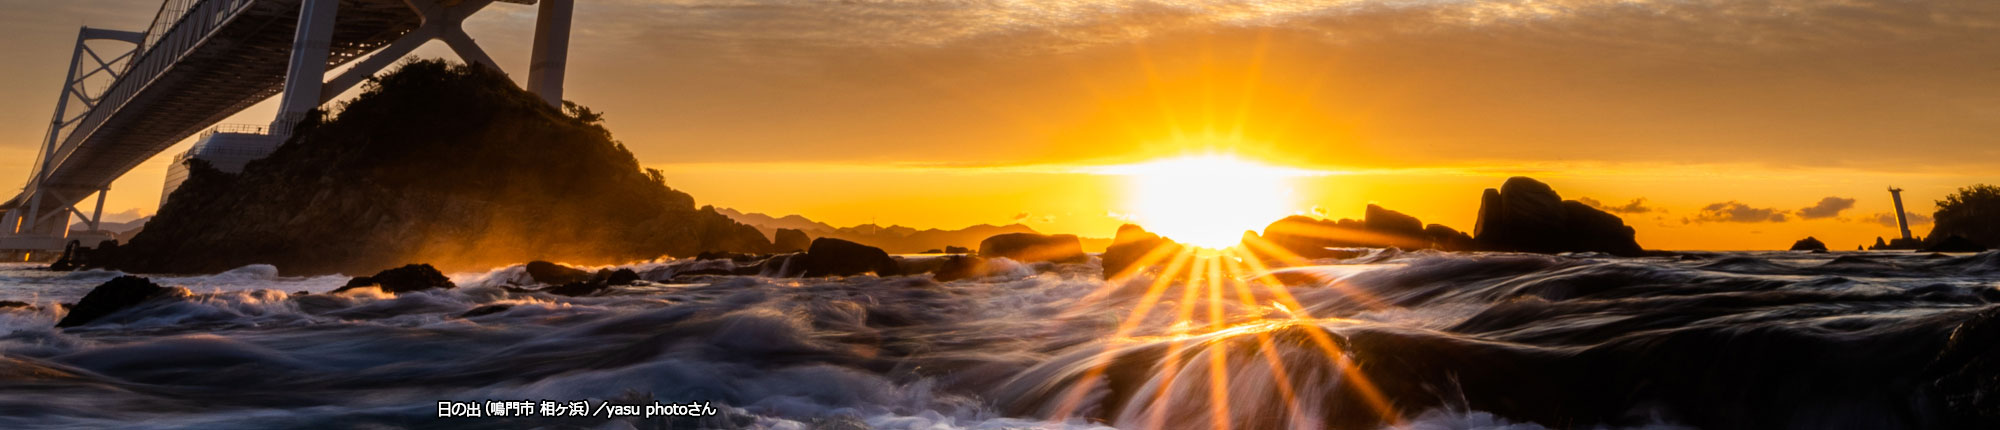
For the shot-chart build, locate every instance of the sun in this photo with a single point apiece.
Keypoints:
(1208, 200)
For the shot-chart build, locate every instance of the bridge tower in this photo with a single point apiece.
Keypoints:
(49, 219)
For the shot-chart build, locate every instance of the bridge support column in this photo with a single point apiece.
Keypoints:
(549, 61)
(97, 215)
(303, 76)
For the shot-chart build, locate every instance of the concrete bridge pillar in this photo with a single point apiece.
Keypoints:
(549, 61)
(303, 76)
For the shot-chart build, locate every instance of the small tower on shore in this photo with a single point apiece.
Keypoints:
(1901, 219)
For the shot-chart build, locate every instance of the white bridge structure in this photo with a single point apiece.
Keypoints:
(205, 60)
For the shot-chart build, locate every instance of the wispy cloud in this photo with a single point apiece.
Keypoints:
(1636, 206)
(1734, 211)
(1068, 24)
(1888, 219)
(1826, 208)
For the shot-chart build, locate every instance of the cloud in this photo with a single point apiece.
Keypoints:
(762, 26)
(1888, 219)
(1636, 206)
(1021, 217)
(1826, 208)
(1734, 211)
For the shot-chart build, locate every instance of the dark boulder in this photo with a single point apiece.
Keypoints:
(1032, 247)
(575, 289)
(109, 297)
(790, 240)
(555, 274)
(413, 277)
(616, 277)
(1809, 244)
(1525, 215)
(956, 267)
(1955, 243)
(948, 249)
(602, 280)
(1967, 372)
(1449, 239)
(1131, 245)
(834, 257)
(1309, 238)
(485, 310)
(1391, 223)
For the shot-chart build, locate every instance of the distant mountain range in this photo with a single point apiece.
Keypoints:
(894, 238)
(120, 230)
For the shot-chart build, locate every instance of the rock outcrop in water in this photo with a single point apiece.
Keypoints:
(1379, 227)
(412, 277)
(112, 296)
(1130, 246)
(835, 257)
(453, 165)
(1809, 244)
(789, 240)
(1033, 247)
(1525, 215)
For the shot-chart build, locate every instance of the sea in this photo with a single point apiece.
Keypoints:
(1384, 340)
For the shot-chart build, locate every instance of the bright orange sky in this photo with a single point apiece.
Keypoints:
(944, 114)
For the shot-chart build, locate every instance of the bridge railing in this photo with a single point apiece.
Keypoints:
(195, 22)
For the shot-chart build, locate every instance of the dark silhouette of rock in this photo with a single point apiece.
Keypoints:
(1383, 221)
(15, 304)
(485, 310)
(1449, 239)
(957, 250)
(1380, 227)
(1033, 247)
(593, 283)
(1971, 214)
(1309, 238)
(1130, 245)
(411, 277)
(555, 274)
(110, 297)
(618, 277)
(1955, 244)
(1525, 215)
(789, 240)
(1809, 244)
(453, 165)
(834, 257)
(1966, 372)
(958, 267)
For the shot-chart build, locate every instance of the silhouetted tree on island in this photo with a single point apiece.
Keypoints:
(1973, 213)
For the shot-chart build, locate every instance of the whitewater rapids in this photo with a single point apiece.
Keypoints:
(1418, 340)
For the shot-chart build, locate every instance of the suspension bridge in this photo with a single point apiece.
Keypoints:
(202, 61)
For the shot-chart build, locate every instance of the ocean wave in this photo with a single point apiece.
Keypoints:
(1398, 340)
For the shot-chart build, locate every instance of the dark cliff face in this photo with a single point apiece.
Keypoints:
(445, 164)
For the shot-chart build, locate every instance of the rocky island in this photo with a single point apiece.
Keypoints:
(447, 164)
